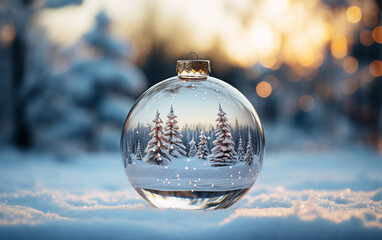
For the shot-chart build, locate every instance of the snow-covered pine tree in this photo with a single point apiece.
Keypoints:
(138, 152)
(193, 149)
(156, 150)
(249, 154)
(173, 136)
(210, 137)
(63, 103)
(240, 150)
(202, 146)
(223, 153)
(236, 132)
(129, 151)
(124, 154)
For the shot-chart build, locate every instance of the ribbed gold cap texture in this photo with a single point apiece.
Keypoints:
(201, 67)
(193, 69)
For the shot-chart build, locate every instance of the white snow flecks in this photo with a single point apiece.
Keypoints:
(185, 170)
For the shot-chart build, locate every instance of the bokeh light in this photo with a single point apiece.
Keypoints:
(366, 37)
(263, 89)
(350, 64)
(370, 18)
(377, 34)
(273, 80)
(339, 46)
(306, 103)
(376, 68)
(243, 33)
(7, 34)
(298, 55)
(354, 14)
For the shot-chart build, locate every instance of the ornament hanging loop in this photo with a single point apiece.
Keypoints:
(189, 55)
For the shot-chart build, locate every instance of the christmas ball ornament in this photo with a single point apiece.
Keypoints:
(192, 141)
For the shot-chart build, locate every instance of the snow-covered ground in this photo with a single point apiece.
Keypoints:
(326, 195)
(191, 174)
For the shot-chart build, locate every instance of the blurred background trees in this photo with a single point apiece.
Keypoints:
(70, 70)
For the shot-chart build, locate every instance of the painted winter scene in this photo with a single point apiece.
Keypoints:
(163, 156)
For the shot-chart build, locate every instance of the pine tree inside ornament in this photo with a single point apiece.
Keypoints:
(192, 141)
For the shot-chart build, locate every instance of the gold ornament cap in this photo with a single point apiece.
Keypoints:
(193, 69)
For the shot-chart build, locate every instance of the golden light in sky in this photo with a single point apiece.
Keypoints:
(239, 33)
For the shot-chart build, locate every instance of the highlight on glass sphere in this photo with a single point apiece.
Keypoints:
(192, 141)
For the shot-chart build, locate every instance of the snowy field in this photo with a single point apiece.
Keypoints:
(192, 174)
(330, 195)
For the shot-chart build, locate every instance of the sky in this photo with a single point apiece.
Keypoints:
(205, 97)
(245, 32)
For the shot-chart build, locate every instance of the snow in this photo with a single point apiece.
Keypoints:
(298, 195)
(190, 173)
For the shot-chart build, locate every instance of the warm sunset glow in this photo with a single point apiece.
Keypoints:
(354, 14)
(263, 89)
(350, 64)
(306, 103)
(268, 62)
(339, 46)
(272, 33)
(329, 31)
(377, 34)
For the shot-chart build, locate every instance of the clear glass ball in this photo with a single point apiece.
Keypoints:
(193, 144)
